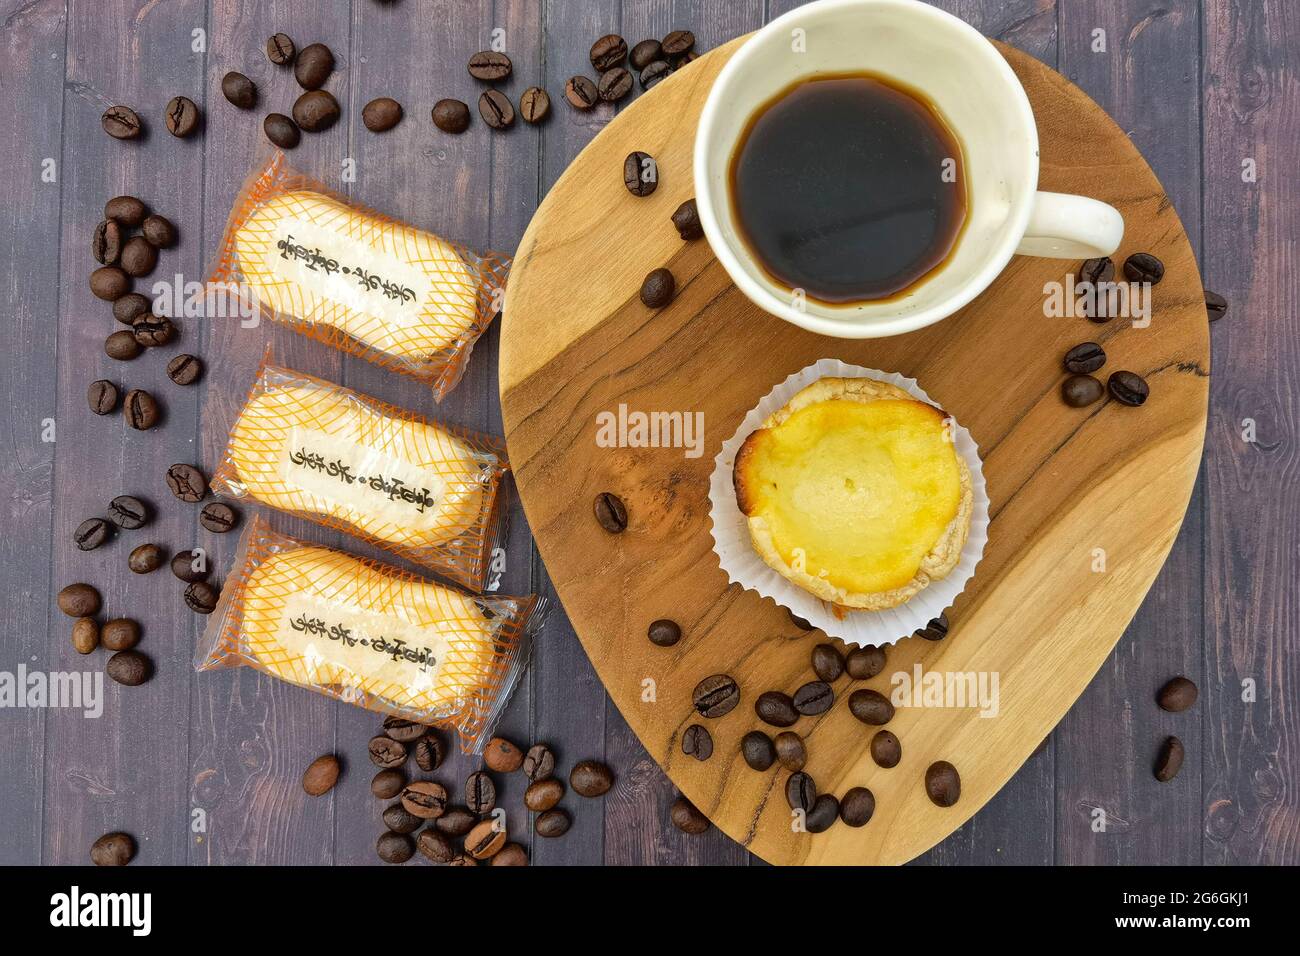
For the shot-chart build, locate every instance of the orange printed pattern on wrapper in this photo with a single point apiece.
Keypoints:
(356, 279)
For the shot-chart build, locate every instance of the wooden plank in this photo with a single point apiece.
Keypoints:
(34, 37)
(1252, 751)
(1147, 80)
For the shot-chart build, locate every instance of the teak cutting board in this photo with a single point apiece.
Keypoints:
(1072, 491)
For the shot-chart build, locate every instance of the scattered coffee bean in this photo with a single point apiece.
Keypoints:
(697, 742)
(456, 821)
(316, 111)
(827, 662)
(187, 483)
(109, 283)
(657, 289)
(485, 840)
(864, 663)
(496, 109)
(1097, 271)
(313, 67)
(403, 730)
(129, 668)
(801, 792)
(121, 122)
(503, 756)
(552, 823)
(790, 751)
(218, 517)
(512, 854)
(425, 799)
(127, 210)
(144, 559)
(871, 707)
(190, 566)
(159, 232)
(611, 513)
(428, 752)
(106, 243)
(581, 93)
(128, 512)
(544, 794)
(936, 630)
(239, 90)
(451, 116)
(394, 847)
(857, 807)
(201, 597)
(435, 846)
(1170, 759)
(813, 698)
(102, 397)
(399, 819)
(776, 708)
(886, 750)
(614, 85)
(112, 849)
(382, 114)
(1078, 391)
(823, 814)
(678, 42)
(321, 775)
(85, 635)
(386, 752)
(590, 778)
(1128, 388)
(181, 116)
(480, 792)
(608, 52)
(1085, 358)
(281, 130)
(138, 258)
(131, 307)
(140, 409)
(534, 104)
(716, 695)
(464, 859)
(1144, 267)
(942, 783)
(152, 331)
(758, 750)
(664, 633)
(1216, 306)
(1177, 695)
(92, 533)
(686, 817)
(79, 600)
(490, 66)
(654, 74)
(687, 220)
(645, 53)
(799, 622)
(120, 634)
(280, 49)
(539, 762)
(641, 177)
(387, 784)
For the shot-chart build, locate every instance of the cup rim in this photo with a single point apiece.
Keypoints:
(850, 326)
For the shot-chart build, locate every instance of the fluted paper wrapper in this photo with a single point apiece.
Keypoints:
(743, 565)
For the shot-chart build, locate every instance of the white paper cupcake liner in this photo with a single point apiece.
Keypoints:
(737, 556)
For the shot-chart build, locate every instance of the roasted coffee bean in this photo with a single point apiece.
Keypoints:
(581, 92)
(1078, 391)
(313, 67)
(218, 517)
(1170, 759)
(121, 122)
(106, 243)
(394, 847)
(281, 130)
(239, 90)
(857, 807)
(131, 307)
(464, 859)
(424, 799)
(403, 730)
(190, 566)
(201, 597)
(678, 42)
(611, 513)
(716, 695)
(185, 369)
(153, 331)
(686, 817)
(456, 821)
(129, 512)
(428, 752)
(85, 635)
(790, 751)
(140, 409)
(121, 346)
(181, 116)
(387, 784)
(758, 750)
(871, 707)
(686, 218)
(655, 73)
(159, 232)
(512, 854)
(1085, 358)
(316, 111)
(813, 698)
(490, 66)
(502, 756)
(1177, 695)
(608, 52)
(776, 708)
(1097, 271)
(399, 819)
(657, 289)
(590, 778)
(697, 742)
(102, 397)
(1144, 267)
(936, 630)
(280, 49)
(641, 177)
(690, 56)
(144, 559)
(129, 668)
(1216, 306)
(534, 104)
(645, 53)
(827, 662)
(321, 775)
(120, 634)
(480, 792)
(799, 622)
(187, 483)
(1128, 388)
(109, 283)
(801, 792)
(664, 633)
(435, 846)
(79, 600)
(544, 794)
(451, 116)
(92, 533)
(614, 85)
(539, 762)
(942, 783)
(496, 109)
(113, 849)
(886, 750)
(864, 663)
(485, 840)
(553, 823)
(382, 114)
(823, 814)
(386, 752)
(138, 257)
(127, 210)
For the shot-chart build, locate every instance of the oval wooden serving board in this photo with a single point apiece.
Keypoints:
(1085, 503)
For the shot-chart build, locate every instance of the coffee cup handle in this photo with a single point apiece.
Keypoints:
(1062, 226)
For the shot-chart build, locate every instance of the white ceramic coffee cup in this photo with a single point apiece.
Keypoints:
(970, 84)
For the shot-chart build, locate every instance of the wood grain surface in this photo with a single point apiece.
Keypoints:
(1199, 86)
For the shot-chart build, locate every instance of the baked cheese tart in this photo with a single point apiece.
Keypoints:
(855, 492)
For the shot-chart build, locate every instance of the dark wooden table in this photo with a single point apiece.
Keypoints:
(204, 768)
